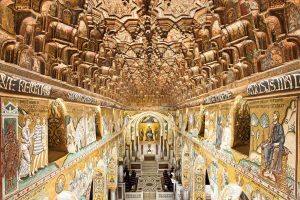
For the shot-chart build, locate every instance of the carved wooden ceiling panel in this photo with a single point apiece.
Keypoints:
(149, 52)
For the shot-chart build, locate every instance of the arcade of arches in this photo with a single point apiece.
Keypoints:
(150, 99)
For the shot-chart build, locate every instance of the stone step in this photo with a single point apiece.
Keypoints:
(149, 167)
(149, 164)
(149, 196)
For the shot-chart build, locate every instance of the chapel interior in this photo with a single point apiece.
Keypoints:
(150, 99)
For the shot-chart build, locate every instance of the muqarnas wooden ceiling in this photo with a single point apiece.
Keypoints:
(149, 52)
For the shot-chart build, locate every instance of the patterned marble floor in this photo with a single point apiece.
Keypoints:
(149, 180)
(149, 183)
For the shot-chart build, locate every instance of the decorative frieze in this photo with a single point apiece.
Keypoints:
(74, 96)
(223, 96)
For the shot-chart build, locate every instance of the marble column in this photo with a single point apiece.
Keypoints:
(162, 147)
(113, 195)
(121, 174)
(127, 155)
(186, 194)
(133, 151)
(178, 191)
(171, 154)
(138, 150)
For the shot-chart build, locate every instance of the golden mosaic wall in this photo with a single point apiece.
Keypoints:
(261, 165)
(51, 149)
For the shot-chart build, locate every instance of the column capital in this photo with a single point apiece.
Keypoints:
(113, 188)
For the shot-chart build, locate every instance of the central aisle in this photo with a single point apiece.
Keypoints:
(149, 180)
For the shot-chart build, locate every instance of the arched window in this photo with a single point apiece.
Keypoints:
(57, 131)
(241, 122)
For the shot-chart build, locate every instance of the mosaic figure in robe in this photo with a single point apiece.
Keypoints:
(38, 146)
(149, 134)
(25, 162)
(11, 153)
(273, 159)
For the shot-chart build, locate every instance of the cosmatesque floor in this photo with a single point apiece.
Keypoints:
(149, 183)
(149, 180)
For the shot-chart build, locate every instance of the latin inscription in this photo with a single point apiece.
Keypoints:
(16, 84)
(223, 96)
(73, 96)
(287, 82)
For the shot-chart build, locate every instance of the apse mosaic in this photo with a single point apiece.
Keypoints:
(149, 130)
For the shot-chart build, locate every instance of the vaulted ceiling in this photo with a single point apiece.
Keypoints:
(149, 52)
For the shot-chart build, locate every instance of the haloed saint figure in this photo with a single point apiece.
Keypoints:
(149, 134)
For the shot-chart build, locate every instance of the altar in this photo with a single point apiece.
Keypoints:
(150, 149)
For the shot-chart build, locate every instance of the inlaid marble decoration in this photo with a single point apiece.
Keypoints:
(186, 165)
(112, 169)
(199, 177)
(149, 183)
(99, 181)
